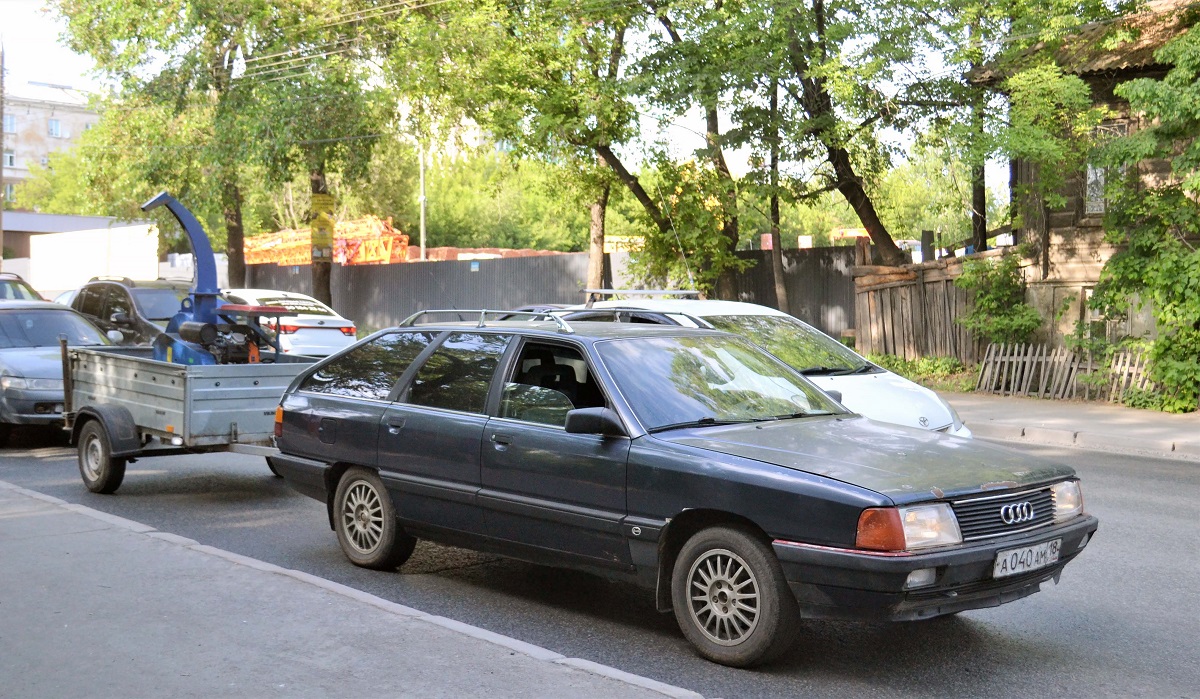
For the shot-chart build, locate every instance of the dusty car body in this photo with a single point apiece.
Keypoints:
(689, 461)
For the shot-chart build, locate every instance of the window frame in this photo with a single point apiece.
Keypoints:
(54, 128)
(435, 338)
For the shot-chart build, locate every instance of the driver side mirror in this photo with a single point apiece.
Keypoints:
(115, 335)
(834, 394)
(594, 421)
(121, 319)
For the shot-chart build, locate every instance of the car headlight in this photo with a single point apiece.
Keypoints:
(1068, 500)
(9, 382)
(909, 528)
(956, 421)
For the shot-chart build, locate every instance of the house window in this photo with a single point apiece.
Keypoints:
(10, 123)
(10, 159)
(8, 192)
(1096, 177)
(55, 128)
(1094, 193)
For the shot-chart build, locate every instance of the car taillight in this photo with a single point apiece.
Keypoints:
(288, 329)
(278, 421)
(350, 331)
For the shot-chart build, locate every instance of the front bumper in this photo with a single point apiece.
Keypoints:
(25, 406)
(832, 583)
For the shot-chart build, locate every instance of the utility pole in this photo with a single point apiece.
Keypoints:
(3, 197)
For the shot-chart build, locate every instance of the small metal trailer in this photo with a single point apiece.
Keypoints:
(121, 404)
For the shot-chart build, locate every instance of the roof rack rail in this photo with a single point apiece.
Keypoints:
(483, 313)
(112, 278)
(594, 295)
(615, 311)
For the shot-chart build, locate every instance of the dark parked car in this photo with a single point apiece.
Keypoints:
(31, 371)
(139, 310)
(689, 461)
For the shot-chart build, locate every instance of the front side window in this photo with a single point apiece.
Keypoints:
(457, 375)
(546, 382)
(801, 346)
(707, 379)
(369, 370)
(91, 301)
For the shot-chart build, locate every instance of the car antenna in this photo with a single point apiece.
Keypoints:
(686, 267)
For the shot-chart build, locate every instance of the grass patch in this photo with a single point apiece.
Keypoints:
(937, 373)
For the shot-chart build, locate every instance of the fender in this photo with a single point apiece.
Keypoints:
(118, 423)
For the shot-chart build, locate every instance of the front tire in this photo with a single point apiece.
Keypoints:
(101, 471)
(731, 599)
(366, 524)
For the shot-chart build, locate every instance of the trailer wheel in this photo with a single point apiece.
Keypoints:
(102, 472)
(365, 520)
(271, 465)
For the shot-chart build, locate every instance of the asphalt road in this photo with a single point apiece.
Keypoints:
(1123, 621)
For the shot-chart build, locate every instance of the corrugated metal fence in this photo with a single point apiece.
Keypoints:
(818, 281)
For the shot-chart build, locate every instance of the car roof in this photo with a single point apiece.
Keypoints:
(591, 330)
(692, 307)
(142, 284)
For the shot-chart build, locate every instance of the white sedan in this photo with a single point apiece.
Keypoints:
(315, 330)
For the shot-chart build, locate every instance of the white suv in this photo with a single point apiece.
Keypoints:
(865, 388)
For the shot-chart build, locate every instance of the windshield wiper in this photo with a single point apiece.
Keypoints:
(792, 416)
(825, 371)
(702, 422)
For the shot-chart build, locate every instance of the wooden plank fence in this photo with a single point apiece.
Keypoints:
(1042, 372)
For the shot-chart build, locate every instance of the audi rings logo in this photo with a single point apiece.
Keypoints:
(1017, 513)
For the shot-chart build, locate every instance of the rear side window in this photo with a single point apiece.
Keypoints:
(90, 301)
(369, 370)
(457, 375)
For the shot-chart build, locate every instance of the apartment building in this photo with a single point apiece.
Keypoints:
(39, 119)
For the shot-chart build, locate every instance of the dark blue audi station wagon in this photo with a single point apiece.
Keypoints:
(688, 461)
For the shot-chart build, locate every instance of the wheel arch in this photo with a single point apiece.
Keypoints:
(683, 527)
(333, 476)
(118, 424)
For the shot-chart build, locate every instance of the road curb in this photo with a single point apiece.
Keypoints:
(508, 642)
(1090, 441)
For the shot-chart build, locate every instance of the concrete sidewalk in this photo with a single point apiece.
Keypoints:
(1080, 424)
(92, 605)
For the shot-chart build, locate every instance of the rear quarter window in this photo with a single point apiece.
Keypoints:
(370, 370)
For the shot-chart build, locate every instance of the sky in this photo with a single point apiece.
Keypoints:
(32, 52)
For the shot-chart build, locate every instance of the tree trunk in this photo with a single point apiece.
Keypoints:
(322, 258)
(595, 275)
(635, 187)
(851, 188)
(235, 235)
(781, 299)
(978, 208)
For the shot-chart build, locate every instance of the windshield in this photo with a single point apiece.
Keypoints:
(41, 328)
(16, 289)
(707, 379)
(158, 304)
(802, 346)
(310, 307)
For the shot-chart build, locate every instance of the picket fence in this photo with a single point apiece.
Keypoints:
(1042, 372)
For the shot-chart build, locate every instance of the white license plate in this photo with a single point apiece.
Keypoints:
(1025, 559)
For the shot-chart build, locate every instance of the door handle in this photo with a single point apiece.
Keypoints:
(504, 439)
(394, 425)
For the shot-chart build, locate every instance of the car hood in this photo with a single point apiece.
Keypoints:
(888, 397)
(32, 362)
(903, 463)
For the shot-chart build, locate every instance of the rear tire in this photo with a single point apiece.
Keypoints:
(101, 471)
(731, 599)
(271, 465)
(366, 524)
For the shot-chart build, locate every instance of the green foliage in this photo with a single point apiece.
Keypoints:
(693, 253)
(938, 373)
(998, 310)
(1157, 224)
